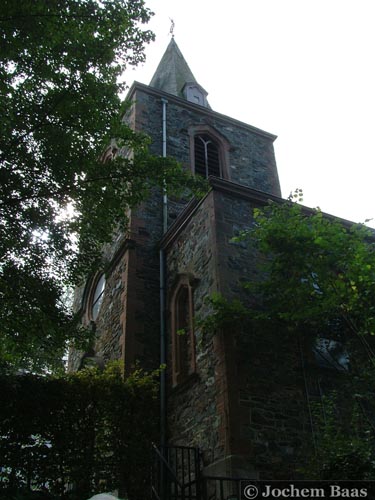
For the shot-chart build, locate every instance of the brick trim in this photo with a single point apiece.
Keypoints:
(185, 281)
(223, 144)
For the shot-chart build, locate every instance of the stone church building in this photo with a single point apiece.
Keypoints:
(243, 405)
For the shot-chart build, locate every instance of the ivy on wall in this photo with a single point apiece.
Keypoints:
(72, 436)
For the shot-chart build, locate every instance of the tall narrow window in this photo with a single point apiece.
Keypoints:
(97, 297)
(207, 158)
(182, 333)
(183, 343)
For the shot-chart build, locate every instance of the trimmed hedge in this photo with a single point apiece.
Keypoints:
(72, 436)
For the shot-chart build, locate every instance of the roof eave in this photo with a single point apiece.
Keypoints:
(190, 105)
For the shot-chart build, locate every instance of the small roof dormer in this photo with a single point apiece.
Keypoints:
(194, 92)
(174, 76)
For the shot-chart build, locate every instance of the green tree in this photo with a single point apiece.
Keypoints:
(317, 270)
(314, 270)
(60, 68)
(315, 289)
(317, 284)
(91, 430)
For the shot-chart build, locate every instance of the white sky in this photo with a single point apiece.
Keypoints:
(301, 69)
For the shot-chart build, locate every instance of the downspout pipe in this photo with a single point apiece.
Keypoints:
(163, 343)
(165, 199)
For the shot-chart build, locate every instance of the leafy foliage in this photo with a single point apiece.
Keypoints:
(318, 270)
(232, 315)
(60, 69)
(343, 449)
(316, 282)
(90, 431)
(319, 282)
(34, 325)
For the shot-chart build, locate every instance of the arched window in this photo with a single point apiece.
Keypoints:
(209, 152)
(206, 156)
(97, 297)
(183, 340)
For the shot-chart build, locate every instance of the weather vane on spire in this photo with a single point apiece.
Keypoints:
(171, 29)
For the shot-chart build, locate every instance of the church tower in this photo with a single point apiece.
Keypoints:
(212, 401)
(174, 112)
(204, 141)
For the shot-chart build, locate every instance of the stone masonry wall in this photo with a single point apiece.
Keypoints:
(127, 326)
(268, 413)
(109, 324)
(143, 310)
(196, 407)
(251, 157)
(246, 407)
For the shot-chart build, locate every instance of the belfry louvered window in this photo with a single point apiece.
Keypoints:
(206, 156)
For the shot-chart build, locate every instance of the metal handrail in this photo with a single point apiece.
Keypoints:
(153, 490)
(170, 470)
(223, 485)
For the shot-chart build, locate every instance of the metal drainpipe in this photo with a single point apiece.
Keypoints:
(165, 199)
(163, 344)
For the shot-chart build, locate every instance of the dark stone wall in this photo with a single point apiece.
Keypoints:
(270, 418)
(127, 326)
(247, 407)
(251, 156)
(196, 415)
(244, 406)
(109, 323)
(265, 379)
(143, 309)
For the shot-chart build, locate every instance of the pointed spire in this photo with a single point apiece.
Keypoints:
(173, 71)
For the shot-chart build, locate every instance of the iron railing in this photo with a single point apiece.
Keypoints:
(176, 473)
(177, 476)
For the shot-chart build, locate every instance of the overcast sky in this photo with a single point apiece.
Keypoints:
(303, 70)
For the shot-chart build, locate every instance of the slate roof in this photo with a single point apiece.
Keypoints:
(173, 71)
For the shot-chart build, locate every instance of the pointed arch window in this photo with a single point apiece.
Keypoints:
(206, 156)
(183, 340)
(209, 152)
(97, 296)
